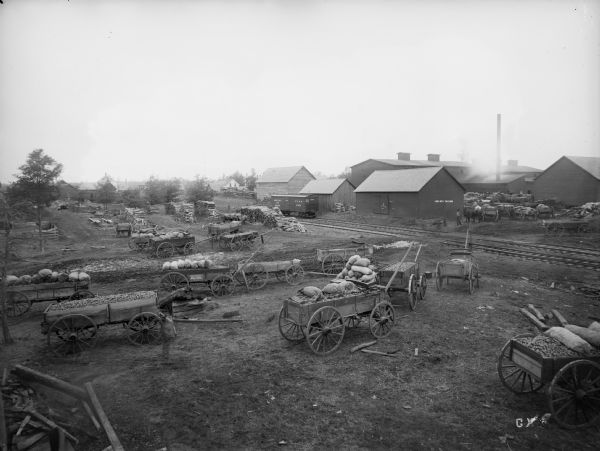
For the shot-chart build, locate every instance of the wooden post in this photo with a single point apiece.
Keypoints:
(110, 432)
(50, 381)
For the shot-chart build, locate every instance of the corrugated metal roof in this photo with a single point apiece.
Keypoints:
(323, 186)
(401, 181)
(279, 175)
(590, 164)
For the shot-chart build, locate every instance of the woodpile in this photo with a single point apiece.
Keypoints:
(183, 211)
(272, 218)
(39, 411)
(227, 217)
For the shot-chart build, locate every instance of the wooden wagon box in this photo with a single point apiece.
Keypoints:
(220, 229)
(364, 251)
(401, 279)
(177, 242)
(300, 309)
(455, 267)
(49, 290)
(275, 266)
(97, 313)
(543, 368)
(204, 274)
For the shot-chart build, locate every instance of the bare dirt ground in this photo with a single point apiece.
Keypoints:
(242, 386)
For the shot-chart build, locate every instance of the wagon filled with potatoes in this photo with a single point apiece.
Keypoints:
(72, 326)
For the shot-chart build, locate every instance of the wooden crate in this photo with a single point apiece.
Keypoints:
(542, 368)
(97, 313)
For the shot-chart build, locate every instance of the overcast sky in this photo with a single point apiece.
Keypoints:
(179, 88)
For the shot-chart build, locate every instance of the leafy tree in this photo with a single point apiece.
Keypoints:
(250, 181)
(238, 177)
(106, 191)
(198, 189)
(133, 198)
(161, 191)
(37, 184)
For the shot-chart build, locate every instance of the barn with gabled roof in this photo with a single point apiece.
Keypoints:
(285, 180)
(571, 180)
(410, 193)
(330, 192)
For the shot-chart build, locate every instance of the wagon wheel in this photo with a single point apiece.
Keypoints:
(144, 328)
(256, 276)
(439, 280)
(280, 275)
(72, 334)
(573, 394)
(81, 294)
(189, 248)
(413, 296)
(288, 328)
(333, 264)
(471, 282)
(173, 281)
(17, 304)
(294, 274)
(382, 319)
(235, 245)
(422, 287)
(325, 330)
(512, 376)
(165, 250)
(222, 285)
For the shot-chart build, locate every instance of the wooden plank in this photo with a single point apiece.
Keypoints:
(30, 441)
(533, 319)
(561, 319)
(50, 381)
(536, 312)
(110, 432)
(217, 320)
(51, 424)
(363, 345)
(88, 410)
(386, 354)
(527, 363)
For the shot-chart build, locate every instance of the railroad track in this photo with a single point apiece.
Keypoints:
(585, 258)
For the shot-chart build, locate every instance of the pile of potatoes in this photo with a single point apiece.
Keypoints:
(186, 264)
(45, 276)
(360, 269)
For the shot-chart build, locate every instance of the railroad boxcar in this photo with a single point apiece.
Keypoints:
(305, 205)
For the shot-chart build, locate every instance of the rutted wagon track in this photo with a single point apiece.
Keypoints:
(553, 254)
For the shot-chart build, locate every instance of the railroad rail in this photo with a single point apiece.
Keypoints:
(554, 254)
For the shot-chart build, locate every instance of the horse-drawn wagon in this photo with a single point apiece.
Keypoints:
(20, 297)
(333, 260)
(561, 226)
(323, 321)
(165, 246)
(72, 326)
(238, 241)
(405, 276)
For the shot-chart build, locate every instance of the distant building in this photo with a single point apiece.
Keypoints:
(330, 192)
(286, 180)
(87, 191)
(67, 191)
(410, 193)
(571, 180)
(511, 183)
(224, 184)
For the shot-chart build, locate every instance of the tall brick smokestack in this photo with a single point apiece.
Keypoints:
(498, 144)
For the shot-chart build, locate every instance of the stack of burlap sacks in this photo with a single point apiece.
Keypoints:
(358, 268)
(581, 339)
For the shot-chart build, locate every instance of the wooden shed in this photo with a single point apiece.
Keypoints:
(287, 180)
(330, 192)
(410, 193)
(571, 180)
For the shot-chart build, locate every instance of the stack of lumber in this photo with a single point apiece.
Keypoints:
(255, 213)
(184, 211)
(39, 411)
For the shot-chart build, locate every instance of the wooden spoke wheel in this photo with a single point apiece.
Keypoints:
(325, 330)
(17, 304)
(512, 376)
(235, 245)
(382, 319)
(288, 328)
(72, 334)
(422, 286)
(352, 322)
(81, 294)
(222, 285)
(256, 276)
(333, 264)
(574, 394)
(144, 328)
(173, 281)
(439, 279)
(189, 248)
(165, 250)
(294, 275)
(280, 275)
(413, 292)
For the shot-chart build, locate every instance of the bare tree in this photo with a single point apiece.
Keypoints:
(6, 219)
